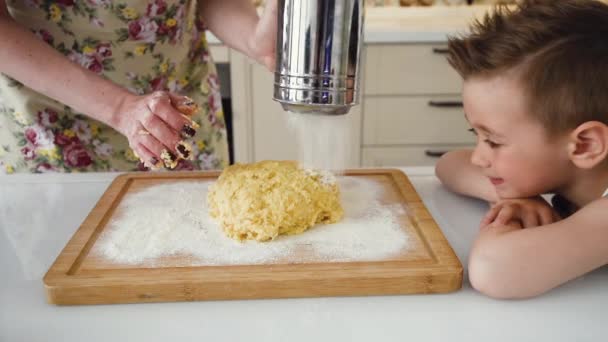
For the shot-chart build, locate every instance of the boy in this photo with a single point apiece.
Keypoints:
(536, 95)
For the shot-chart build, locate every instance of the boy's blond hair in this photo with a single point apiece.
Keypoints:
(560, 48)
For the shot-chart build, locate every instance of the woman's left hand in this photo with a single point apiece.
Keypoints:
(262, 43)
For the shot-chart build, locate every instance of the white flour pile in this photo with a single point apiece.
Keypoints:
(172, 219)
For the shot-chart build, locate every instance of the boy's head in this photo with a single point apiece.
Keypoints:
(537, 76)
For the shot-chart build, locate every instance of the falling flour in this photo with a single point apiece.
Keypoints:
(172, 219)
(324, 142)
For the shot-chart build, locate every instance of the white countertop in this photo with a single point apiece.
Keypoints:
(413, 24)
(39, 213)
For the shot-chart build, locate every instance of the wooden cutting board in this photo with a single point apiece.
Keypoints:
(77, 276)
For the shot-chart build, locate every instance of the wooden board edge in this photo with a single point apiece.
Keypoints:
(438, 244)
(283, 272)
(444, 282)
(173, 174)
(66, 258)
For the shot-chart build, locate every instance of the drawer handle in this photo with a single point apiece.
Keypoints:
(435, 153)
(445, 103)
(441, 51)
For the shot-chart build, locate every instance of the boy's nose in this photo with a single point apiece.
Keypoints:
(478, 159)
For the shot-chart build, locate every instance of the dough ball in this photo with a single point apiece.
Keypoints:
(262, 200)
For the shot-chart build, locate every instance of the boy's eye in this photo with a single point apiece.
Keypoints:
(491, 143)
(487, 141)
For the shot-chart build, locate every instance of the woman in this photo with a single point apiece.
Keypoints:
(99, 85)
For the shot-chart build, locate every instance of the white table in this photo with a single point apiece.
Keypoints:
(39, 213)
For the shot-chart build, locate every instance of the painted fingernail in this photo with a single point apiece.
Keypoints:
(184, 149)
(154, 164)
(192, 122)
(188, 102)
(187, 106)
(187, 131)
(169, 159)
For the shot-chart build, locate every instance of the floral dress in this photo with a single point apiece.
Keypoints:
(143, 45)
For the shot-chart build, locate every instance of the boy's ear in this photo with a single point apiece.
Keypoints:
(588, 144)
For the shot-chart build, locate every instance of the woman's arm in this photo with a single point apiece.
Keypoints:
(508, 261)
(43, 69)
(455, 170)
(236, 23)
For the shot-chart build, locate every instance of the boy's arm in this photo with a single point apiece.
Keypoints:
(507, 261)
(455, 170)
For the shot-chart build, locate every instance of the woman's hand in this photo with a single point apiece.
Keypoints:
(526, 212)
(156, 128)
(262, 42)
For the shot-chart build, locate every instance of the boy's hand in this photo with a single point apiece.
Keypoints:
(526, 212)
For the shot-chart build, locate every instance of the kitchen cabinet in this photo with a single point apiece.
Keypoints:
(412, 107)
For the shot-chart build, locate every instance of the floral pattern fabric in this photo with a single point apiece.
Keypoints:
(143, 45)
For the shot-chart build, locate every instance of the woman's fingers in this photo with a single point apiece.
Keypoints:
(157, 131)
(166, 155)
(187, 108)
(164, 105)
(183, 104)
(148, 157)
(263, 40)
(151, 143)
(160, 130)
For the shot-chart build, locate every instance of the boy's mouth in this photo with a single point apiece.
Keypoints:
(496, 181)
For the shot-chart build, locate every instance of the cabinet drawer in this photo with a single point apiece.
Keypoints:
(415, 120)
(409, 69)
(405, 156)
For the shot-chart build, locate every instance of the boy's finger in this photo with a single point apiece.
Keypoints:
(529, 219)
(514, 223)
(556, 216)
(490, 216)
(505, 215)
(546, 217)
